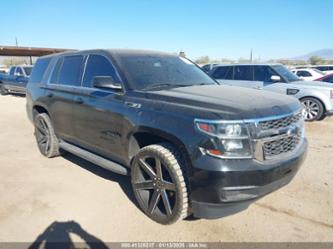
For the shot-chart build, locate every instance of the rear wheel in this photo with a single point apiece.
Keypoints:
(3, 90)
(314, 109)
(46, 139)
(158, 183)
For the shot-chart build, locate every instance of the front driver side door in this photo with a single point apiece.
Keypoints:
(99, 113)
(263, 75)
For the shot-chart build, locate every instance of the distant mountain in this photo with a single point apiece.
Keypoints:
(326, 54)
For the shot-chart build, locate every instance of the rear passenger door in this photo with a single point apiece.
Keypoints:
(244, 77)
(99, 113)
(63, 85)
(223, 74)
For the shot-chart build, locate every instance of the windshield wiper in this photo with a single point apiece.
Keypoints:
(167, 85)
(155, 86)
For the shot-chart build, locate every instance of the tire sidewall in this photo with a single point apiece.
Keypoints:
(54, 146)
(320, 112)
(147, 152)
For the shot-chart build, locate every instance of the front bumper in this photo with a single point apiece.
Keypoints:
(221, 187)
(329, 113)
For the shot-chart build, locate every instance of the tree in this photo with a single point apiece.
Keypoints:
(202, 60)
(315, 60)
(227, 61)
(243, 60)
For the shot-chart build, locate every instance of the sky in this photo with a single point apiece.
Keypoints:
(218, 28)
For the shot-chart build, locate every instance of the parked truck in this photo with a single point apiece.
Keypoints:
(16, 80)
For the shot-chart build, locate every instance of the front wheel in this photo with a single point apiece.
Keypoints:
(313, 109)
(158, 183)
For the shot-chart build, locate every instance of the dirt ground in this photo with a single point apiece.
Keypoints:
(82, 200)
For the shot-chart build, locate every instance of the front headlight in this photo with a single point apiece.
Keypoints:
(231, 137)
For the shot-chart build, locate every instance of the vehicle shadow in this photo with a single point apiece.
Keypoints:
(123, 181)
(17, 95)
(57, 236)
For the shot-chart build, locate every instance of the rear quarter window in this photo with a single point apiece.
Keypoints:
(39, 69)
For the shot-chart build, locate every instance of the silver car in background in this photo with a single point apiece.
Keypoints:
(316, 96)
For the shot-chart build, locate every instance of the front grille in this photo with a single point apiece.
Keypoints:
(280, 146)
(278, 136)
(281, 122)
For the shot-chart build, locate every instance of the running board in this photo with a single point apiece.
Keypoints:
(93, 158)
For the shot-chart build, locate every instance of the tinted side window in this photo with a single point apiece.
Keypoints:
(223, 73)
(19, 71)
(304, 74)
(39, 70)
(98, 65)
(329, 79)
(243, 73)
(71, 70)
(206, 68)
(263, 73)
(55, 74)
(12, 70)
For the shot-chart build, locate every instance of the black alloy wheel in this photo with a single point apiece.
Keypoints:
(158, 183)
(46, 139)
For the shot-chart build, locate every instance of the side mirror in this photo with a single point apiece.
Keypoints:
(275, 78)
(106, 82)
(17, 74)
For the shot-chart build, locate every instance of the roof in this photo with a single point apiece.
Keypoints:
(115, 52)
(250, 64)
(29, 51)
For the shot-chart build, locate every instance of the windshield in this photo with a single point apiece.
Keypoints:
(27, 70)
(154, 72)
(285, 73)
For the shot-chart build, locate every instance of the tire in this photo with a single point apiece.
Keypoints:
(314, 109)
(47, 141)
(161, 194)
(3, 90)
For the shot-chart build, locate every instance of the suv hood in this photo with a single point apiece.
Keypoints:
(312, 84)
(227, 102)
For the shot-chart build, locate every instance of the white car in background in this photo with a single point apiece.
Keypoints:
(308, 73)
(316, 96)
(327, 69)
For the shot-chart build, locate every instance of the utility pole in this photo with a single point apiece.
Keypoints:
(251, 55)
(16, 42)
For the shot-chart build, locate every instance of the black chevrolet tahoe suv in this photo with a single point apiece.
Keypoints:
(190, 145)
